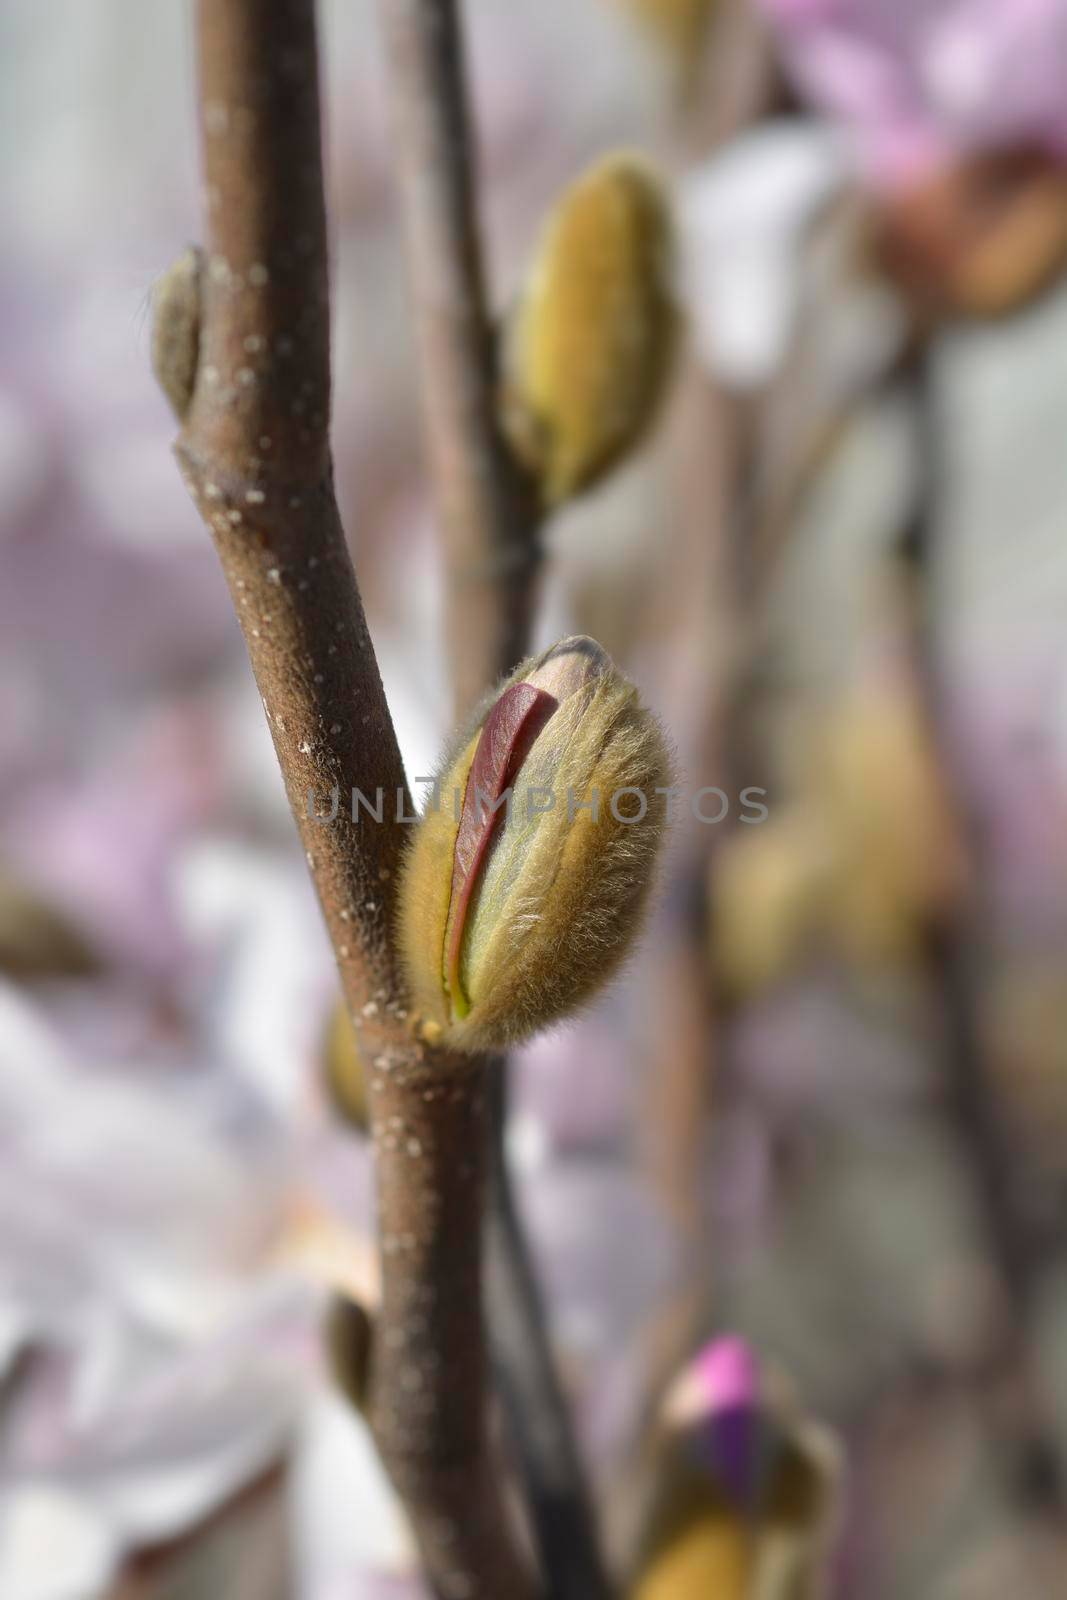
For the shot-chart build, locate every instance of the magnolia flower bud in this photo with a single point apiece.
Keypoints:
(527, 876)
(176, 329)
(589, 346)
(746, 1498)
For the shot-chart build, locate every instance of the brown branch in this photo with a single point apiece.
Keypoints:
(489, 525)
(254, 450)
(971, 1101)
(488, 510)
(543, 1437)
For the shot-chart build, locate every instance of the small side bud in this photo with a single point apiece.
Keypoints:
(345, 1079)
(349, 1338)
(524, 886)
(589, 346)
(37, 942)
(176, 329)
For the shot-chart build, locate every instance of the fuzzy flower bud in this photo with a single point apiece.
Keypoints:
(589, 346)
(527, 876)
(747, 1488)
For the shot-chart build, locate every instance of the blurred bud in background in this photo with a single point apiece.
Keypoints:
(981, 237)
(898, 864)
(677, 30)
(956, 116)
(864, 861)
(747, 1491)
(37, 941)
(769, 888)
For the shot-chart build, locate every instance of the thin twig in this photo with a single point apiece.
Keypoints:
(254, 450)
(522, 1361)
(490, 526)
(971, 1098)
(489, 515)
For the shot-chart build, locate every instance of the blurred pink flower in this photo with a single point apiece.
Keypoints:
(919, 82)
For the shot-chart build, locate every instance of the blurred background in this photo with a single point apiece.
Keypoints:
(827, 1105)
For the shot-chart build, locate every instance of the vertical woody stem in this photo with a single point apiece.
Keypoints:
(970, 1093)
(543, 1438)
(489, 519)
(254, 450)
(488, 511)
